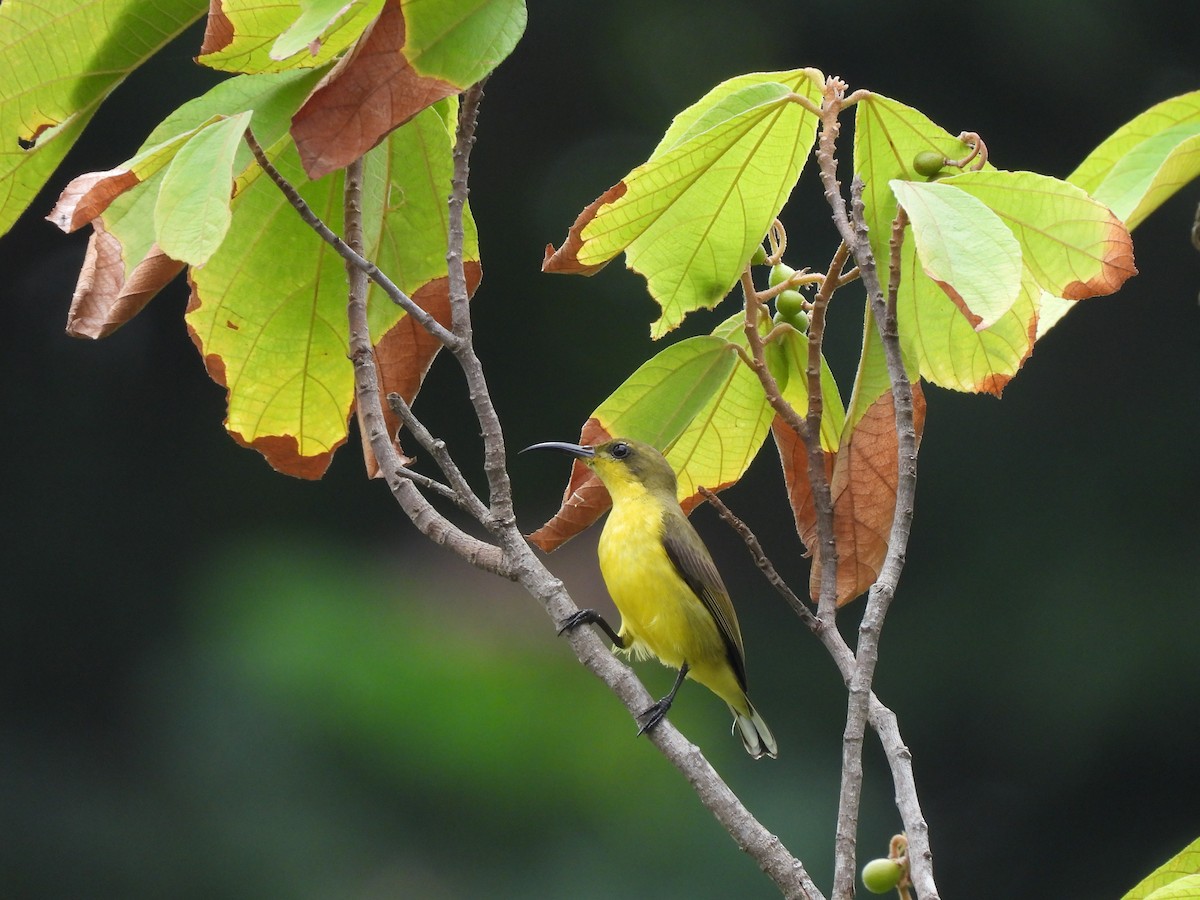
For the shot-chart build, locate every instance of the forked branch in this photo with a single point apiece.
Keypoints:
(513, 558)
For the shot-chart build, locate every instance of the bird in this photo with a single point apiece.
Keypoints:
(662, 579)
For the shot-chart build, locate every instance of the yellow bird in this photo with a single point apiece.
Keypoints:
(662, 579)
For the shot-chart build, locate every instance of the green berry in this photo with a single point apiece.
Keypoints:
(881, 875)
(780, 273)
(789, 303)
(928, 163)
(789, 309)
(759, 257)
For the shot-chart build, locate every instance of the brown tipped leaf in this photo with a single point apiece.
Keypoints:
(864, 496)
(584, 501)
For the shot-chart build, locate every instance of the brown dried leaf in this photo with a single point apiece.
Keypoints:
(87, 196)
(104, 299)
(864, 494)
(793, 457)
(218, 30)
(584, 501)
(371, 91)
(404, 354)
(565, 259)
(864, 497)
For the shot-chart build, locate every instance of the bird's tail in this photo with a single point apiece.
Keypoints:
(756, 736)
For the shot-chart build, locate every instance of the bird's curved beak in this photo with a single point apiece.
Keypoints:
(575, 450)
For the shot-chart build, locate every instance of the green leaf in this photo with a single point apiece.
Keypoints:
(661, 398)
(887, 138)
(318, 19)
(1186, 888)
(964, 247)
(948, 350)
(270, 98)
(271, 325)
(1073, 245)
(1176, 879)
(62, 58)
(722, 439)
(1146, 160)
(191, 215)
(690, 217)
(255, 29)
(460, 41)
(787, 358)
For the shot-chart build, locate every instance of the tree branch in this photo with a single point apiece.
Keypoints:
(818, 478)
(501, 519)
(882, 720)
(854, 235)
(370, 411)
(515, 559)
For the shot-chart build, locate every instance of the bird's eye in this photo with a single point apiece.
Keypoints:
(620, 450)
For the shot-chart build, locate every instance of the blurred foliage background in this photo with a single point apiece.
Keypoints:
(218, 682)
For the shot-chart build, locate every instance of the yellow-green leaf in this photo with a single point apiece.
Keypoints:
(949, 351)
(690, 216)
(887, 137)
(460, 41)
(242, 34)
(658, 401)
(1176, 879)
(124, 269)
(62, 58)
(723, 437)
(317, 20)
(1146, 160)
(271, 325)
(191, 215)
(964, 247)
(1073, 245)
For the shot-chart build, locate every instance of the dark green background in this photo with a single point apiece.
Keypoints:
(219, 682)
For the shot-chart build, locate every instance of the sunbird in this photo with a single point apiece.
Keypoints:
(673, 604)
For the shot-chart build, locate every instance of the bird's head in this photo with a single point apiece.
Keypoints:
(623, 464)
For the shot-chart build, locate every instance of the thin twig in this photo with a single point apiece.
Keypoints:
(882, 719)
(501, 519)
(370, 412)
(859, 685)
(464, 496)
(763, 562)
(854, 234)
(353, 257)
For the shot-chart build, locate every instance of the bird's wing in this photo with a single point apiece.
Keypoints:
(695, 566)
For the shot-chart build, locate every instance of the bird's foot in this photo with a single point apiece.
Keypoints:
(653, 714)
(583, 617)
(591, 617)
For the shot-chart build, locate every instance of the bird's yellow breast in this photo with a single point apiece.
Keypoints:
(660, 614)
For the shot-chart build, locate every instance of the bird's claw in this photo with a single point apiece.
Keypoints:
(652, 715)
(573, 621)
